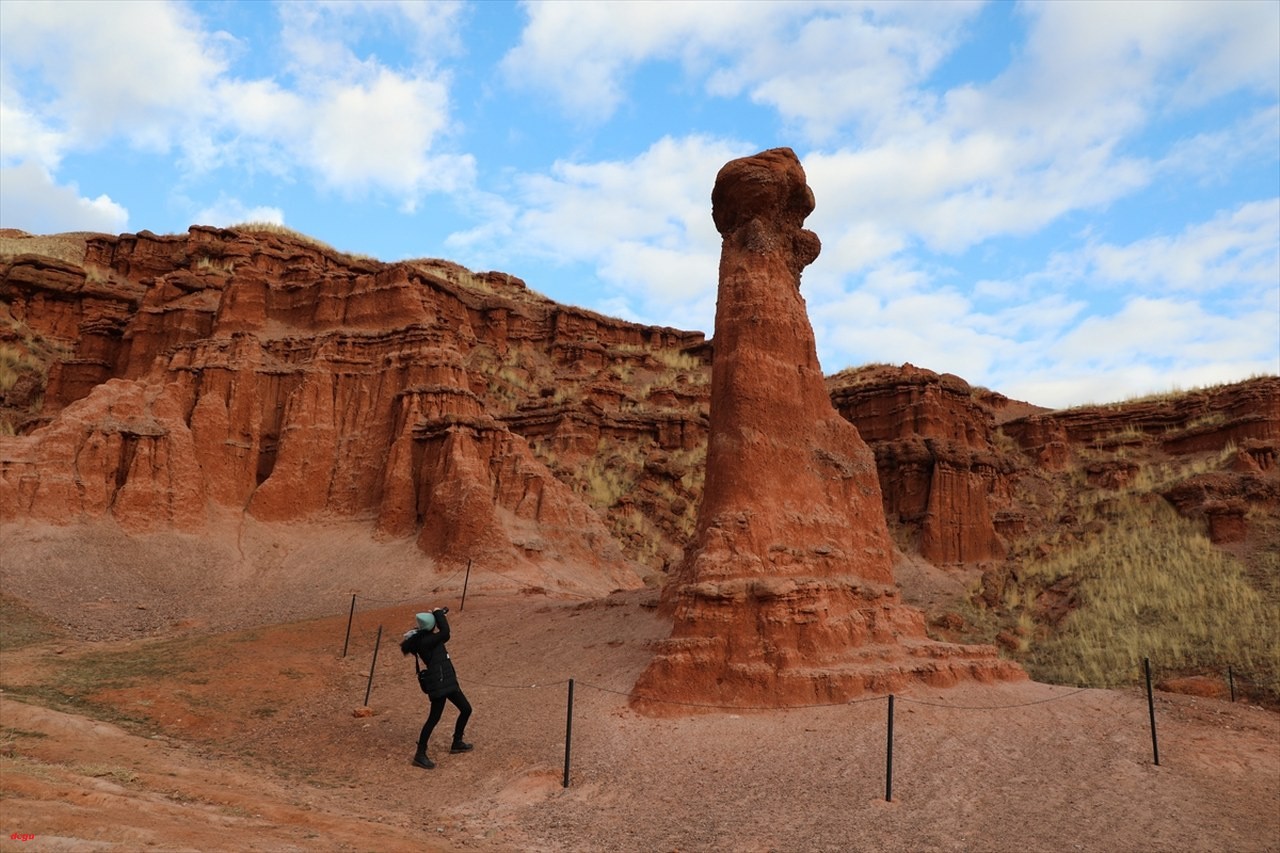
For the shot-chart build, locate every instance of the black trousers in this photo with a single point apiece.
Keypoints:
(437, 709)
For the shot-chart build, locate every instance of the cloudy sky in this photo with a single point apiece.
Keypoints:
(1066, 202)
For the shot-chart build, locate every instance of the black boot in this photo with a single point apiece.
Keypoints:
(420, 760)
(460, 746)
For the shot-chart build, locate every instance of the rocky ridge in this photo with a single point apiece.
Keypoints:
(168, 382)
(223, 371)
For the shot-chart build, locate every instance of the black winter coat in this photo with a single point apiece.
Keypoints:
(441, 678)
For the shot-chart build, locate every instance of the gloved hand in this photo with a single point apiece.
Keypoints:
(442, 610)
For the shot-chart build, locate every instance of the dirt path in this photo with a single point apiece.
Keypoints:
(248, 742)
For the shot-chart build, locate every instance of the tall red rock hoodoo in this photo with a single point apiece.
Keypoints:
(786, 595)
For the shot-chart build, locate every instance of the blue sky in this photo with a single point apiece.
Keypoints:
(1067, 202)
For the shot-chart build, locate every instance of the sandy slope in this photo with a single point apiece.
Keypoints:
(249, 742)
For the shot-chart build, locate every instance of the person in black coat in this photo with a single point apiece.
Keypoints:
(438, 680)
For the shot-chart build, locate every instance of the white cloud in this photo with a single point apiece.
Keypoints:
(354, 123)
(1086, 69)
(675, 287)
(1232, 257)
(819, 64)
(937, 330)
(1198, 307)
(152, 75)
(1148, 345)
(860, 63)
(1214, 155)
(24, 136)
(1193, 50)
(644, 224)
(952, 193)
(231, 211)
(1159, 328)
(379, 134)
(32, 201)
(325, 38)
(1045, 138)
(1239, 249)
(1033, 318)
(357, 125)
(140, 70)
(581, 51)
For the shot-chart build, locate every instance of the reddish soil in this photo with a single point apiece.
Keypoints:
(248, 741)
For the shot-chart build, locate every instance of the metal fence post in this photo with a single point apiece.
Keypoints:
(350, 616)
(888, 757)
(568, 734)
(465, 580)
(1151, 709)
(373, 666)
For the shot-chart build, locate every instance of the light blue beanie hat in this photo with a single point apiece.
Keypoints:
(426, 621)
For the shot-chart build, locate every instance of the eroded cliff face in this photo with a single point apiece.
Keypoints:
(159, 382)
(935, 449)
(965, 471)
(220, 371)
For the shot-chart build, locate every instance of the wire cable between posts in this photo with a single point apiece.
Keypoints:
(993, 707)
(536, 686)
(641, 698)
(715, 707)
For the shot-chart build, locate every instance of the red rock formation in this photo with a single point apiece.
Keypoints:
(124, 451)
(1193, 422)
(786, 594)
(937, 465)
(163, 381)
(1223, 500)
(265, 373)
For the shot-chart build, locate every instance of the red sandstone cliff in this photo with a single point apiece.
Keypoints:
(163, 381)
(935, 451)
(224, 372)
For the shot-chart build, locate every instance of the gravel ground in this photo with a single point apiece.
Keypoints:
(250, 740)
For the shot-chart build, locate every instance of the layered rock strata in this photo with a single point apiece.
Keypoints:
(786, 595)
(220, 372)
(933, 446)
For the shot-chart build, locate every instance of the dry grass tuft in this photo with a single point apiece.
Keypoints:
(286, 231)
(15, 361)
(1152, 585)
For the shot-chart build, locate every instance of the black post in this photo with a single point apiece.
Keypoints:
(350, 616)
(373, 666)
(1231, 681)
(466, 580)
(888, 758)
(1151, 709)
(568, 734)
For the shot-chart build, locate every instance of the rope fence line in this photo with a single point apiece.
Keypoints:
(442, 587)
(627, 694)
(1233, 675)
(848, 703)
(631, 695)
(372, 632)
(1150, 696)
(563, 681)
(911, 701)
(438, 588)
(387, 601)
(860, 701)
